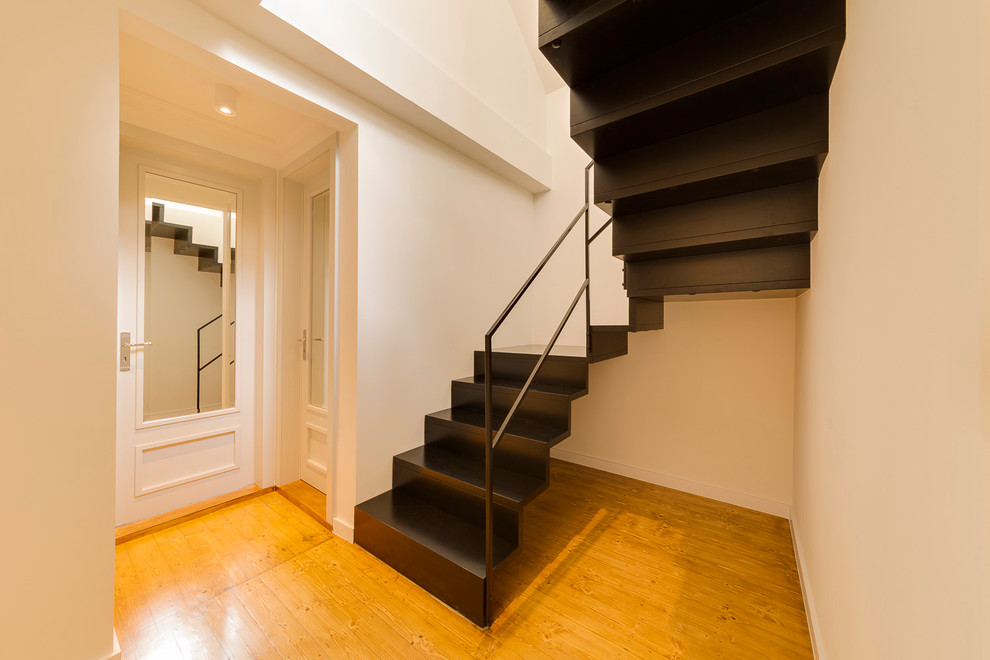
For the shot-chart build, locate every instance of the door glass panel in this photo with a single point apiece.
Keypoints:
(319, 299)
(189, 283)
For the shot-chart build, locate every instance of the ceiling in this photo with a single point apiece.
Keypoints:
(162, 89)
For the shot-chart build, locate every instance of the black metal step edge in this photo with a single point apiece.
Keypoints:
(513, 355)
(743, 239)
(469, 475)
(446, 535)
(583, 17)
(537, 389)
(475, 421)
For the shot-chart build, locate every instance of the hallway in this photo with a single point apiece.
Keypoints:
(628, 570)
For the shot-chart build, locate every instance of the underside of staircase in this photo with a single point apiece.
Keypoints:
(708, 126)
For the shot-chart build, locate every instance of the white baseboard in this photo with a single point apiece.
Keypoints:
(809, 601)
(343, 529)
(755, 502)
(116, 647)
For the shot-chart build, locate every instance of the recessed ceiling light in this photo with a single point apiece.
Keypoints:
(226, 100)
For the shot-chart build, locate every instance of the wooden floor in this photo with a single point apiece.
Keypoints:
(308, 499)
(610, 567)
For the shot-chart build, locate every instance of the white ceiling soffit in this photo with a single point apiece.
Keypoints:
(170, 95)
(423, 95)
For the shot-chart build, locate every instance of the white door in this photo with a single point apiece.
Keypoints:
(185, 389)
(316, 343)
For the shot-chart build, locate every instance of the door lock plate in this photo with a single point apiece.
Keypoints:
(125, 351)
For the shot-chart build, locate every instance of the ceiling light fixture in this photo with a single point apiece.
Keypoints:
(226, 100)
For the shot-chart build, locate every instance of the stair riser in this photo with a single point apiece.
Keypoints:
(607, 344)
(746, 178)
(209, 265)
(785, 83)
(459, 588)
(712, 160)
(522, 455)
(462, 500)
(645, 314)
(763, 218)
(567, 373)
(622, 30)
(536, 406)
(787, 267)
(779, 52)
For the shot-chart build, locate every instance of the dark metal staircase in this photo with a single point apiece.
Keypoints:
(708, 122)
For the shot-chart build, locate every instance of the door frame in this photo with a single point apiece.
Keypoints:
(290, 370)
(295, 87)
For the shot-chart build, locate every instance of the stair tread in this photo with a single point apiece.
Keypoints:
(512, 486)
(453, 538)
(537, 349)
(518, 427)
(570, 392)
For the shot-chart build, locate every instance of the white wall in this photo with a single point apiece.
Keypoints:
(480, 46)
(494, 118)
(58, 195)
(887, 503)
(443, 244)
(705, 405)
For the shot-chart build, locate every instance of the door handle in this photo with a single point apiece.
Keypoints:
(303, 342)
(125, 350)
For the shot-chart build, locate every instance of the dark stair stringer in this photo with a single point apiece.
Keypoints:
(709, 125)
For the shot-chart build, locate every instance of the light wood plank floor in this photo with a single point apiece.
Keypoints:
(307, 498)
(610, 568)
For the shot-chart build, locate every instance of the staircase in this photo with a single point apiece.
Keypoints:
(708, 123)
(182, 237)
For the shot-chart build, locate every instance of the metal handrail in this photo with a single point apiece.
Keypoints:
(536, 272)
(600, 230)
(213, 320)
(492, 440)
(539, 363)
(199, 369)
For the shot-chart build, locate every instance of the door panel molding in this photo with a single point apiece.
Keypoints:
(185, 460)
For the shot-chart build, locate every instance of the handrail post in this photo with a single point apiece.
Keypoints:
(199, 372)
(489, 522)
(491, 439)
(587, 258)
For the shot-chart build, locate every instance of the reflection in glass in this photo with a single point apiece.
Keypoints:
(188, 298)
(319, 299)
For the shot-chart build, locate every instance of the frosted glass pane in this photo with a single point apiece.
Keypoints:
(319, 300)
